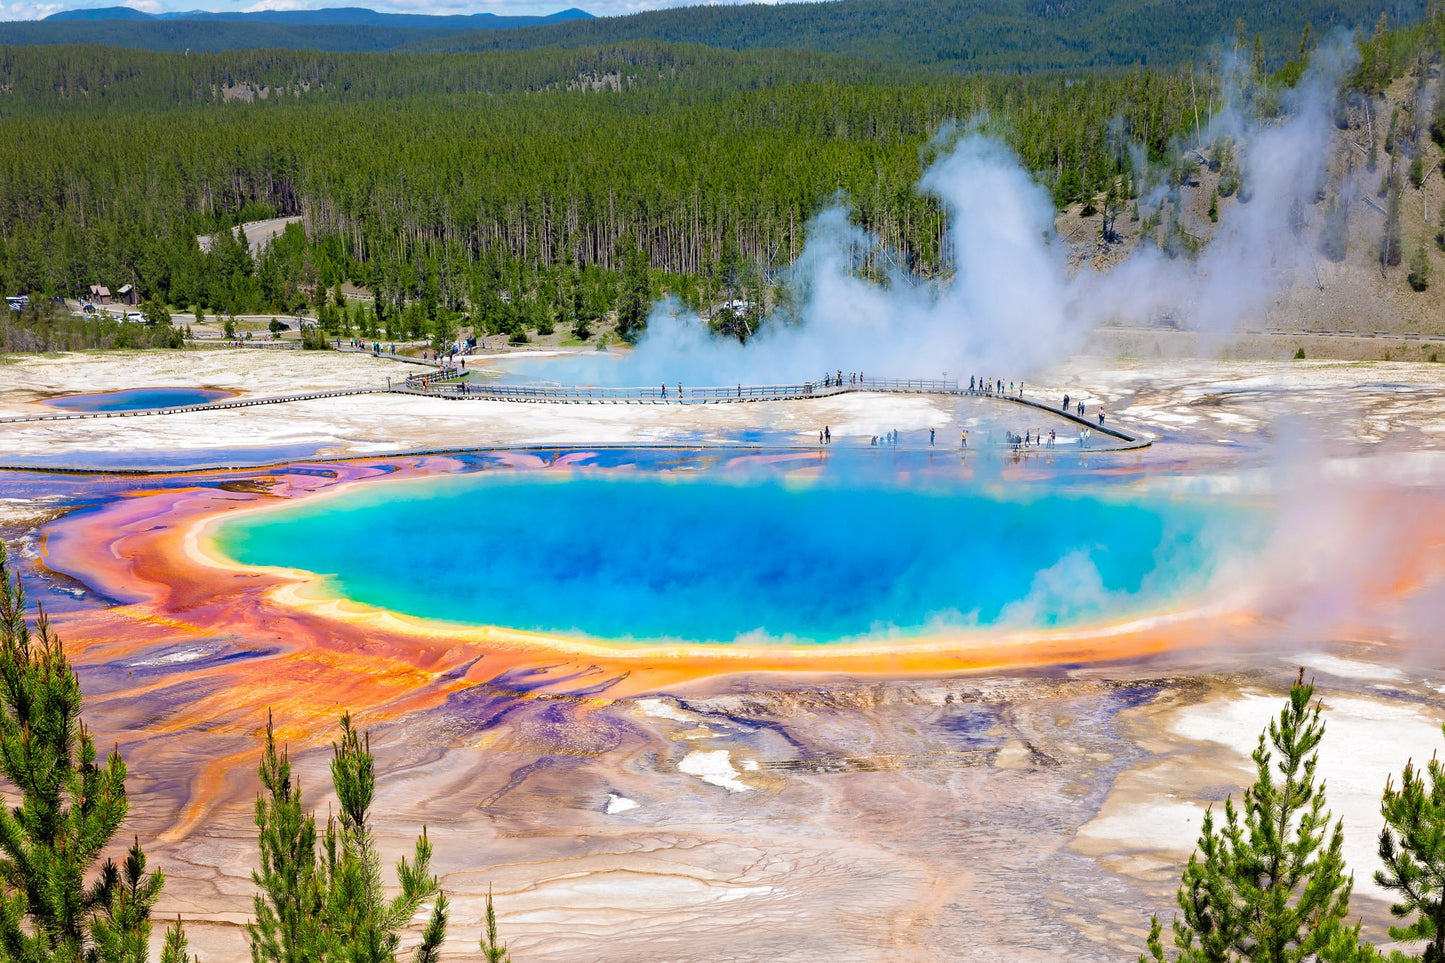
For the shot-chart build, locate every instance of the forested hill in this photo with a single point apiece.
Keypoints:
(342, 28)
(942, 35)
(968, 35)
(204, 35)
(335, 16)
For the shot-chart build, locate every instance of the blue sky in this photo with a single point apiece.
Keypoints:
(36, 9)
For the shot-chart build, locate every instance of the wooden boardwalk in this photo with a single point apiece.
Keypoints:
(738, 394)
(594, 395)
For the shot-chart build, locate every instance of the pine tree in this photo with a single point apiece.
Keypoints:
(1269, 885)
(1391, 243)
(174, 949)
(286, 928)
(1419, 277)
(493, 950)
(329, 906)
(69, 808)
(1412, 847)
(123, 932)
(636, 300)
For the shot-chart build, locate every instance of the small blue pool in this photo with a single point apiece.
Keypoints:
(137, 399)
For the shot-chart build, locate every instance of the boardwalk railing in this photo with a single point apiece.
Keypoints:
(432, 377)
(723, 394)
(676, 394)
(425, 384)
(277, 345)
(348, 348)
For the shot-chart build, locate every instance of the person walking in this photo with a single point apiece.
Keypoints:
(827, 435)
(963, 439)
(930, 438)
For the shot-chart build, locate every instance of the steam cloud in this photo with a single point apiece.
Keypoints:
(1012, 305)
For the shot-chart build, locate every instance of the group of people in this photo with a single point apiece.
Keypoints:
(891, 439)
(1081, 409)
(994, 388)
(1032, 439)
(835, 380)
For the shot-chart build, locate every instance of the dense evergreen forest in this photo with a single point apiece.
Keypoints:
(535, 176)
(538, 189)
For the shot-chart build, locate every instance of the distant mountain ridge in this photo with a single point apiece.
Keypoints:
(331, 16)
(950, 36)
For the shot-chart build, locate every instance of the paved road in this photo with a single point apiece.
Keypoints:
(258, 233)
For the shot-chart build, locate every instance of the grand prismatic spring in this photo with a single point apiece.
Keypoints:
(679, 683)
(738, 560)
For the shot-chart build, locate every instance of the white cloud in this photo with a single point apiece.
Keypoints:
(28, 11)
(279, 5)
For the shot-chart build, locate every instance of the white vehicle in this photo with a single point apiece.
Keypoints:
(135, 316)
(18, 302)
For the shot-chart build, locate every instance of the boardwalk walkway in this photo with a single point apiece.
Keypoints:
(452, 390)
(738, 394)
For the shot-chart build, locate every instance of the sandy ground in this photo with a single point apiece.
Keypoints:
(788, 816)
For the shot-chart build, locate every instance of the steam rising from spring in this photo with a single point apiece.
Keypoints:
(1011, 304)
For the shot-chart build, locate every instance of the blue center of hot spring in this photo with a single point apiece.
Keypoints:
(137, 399)
(707, 560)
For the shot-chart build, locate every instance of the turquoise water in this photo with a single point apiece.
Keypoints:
(712, 560)
(136, 399)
